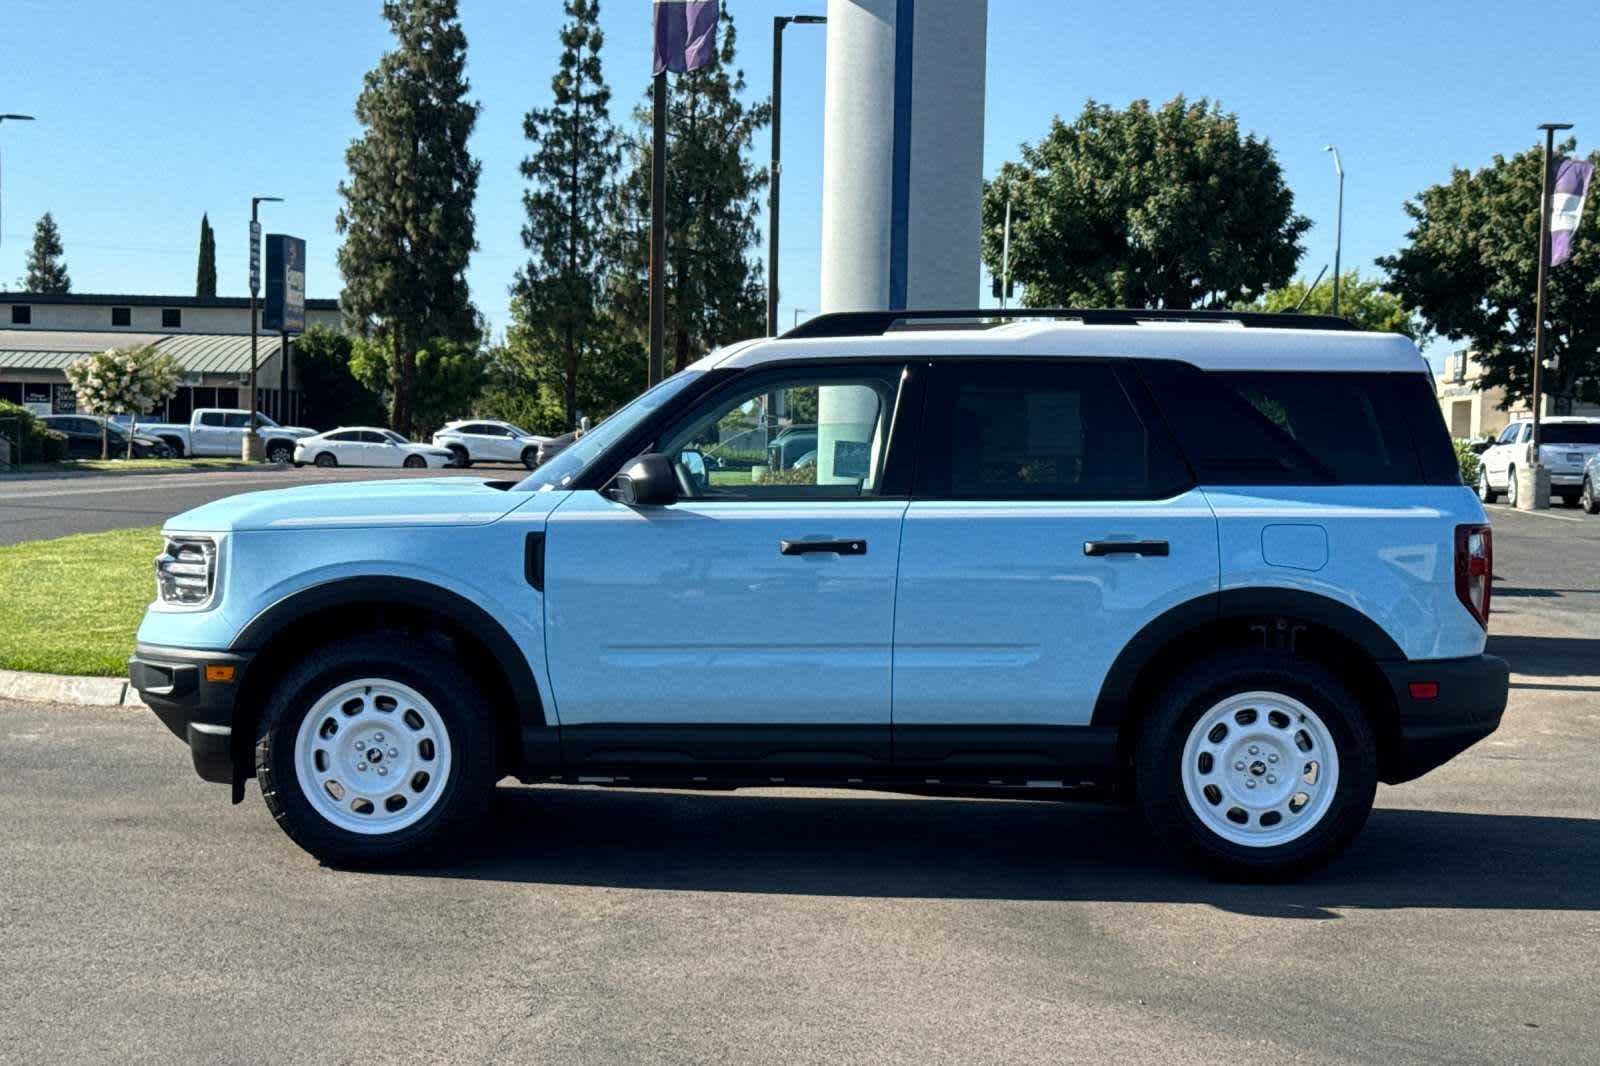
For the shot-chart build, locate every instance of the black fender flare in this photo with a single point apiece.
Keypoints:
(1116, 690)
(406, 593)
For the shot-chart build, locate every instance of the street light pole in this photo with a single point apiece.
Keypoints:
(14, 118)
(1539, 342)
(251, 448)
(775, 172)
(1005, 255)
(1338, 231)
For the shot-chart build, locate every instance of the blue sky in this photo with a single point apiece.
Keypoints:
(152, 112)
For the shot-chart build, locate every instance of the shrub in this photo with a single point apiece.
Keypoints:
(37, 444)
(1468, 460)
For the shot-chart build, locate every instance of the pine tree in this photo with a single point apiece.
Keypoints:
(407, 217)
(556, 296)
(714, 283)
(47, 271)
(205, 281)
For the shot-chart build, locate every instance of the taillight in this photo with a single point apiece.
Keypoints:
(1475, 570)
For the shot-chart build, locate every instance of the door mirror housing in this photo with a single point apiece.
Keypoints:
(648, 481)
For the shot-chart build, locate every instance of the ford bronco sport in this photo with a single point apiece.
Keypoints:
(1222, 563)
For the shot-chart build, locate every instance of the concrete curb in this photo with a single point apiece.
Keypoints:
(25, 687)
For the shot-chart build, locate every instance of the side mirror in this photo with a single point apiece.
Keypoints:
(694, 464)
(648, 481)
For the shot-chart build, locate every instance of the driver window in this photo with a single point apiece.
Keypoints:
(795, 435)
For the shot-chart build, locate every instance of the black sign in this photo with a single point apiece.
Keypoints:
(285, 309)
(64, 402)
(255, 258)
(33, 392)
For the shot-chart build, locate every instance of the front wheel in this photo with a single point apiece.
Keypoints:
(1257, 765)
(415, 462)
(1485, 493)
(530, 457)
(1587, 498)
(281, 453)
(1511, 486)
(368, 755)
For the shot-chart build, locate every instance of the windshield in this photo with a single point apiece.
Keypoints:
(517, 431)
(263, 420)
(392, 435)
(1569, 433)
(560, 471)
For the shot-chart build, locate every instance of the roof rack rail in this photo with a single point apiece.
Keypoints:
(877, 323)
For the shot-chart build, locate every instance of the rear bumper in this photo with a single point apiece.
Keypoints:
(1470, 700)
(173, 683)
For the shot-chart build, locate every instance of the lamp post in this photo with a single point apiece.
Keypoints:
(251, 449)
(1338, 231)
(13, 118)
(779, 24)
(1539, 342)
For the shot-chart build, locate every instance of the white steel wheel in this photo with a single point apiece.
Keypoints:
(1260, 769)
(372, 756)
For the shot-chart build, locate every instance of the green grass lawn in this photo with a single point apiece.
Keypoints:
(71, 605)
(133, 466)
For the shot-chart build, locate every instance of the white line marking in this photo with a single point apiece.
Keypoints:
(1534, 514)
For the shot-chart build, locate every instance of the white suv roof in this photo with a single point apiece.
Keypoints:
(1220, 344)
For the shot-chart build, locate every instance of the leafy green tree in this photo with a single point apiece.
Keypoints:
(407, 217)
(1143, 207)
(449, 377)
(557, 294)
(714, 277)
(124, 381)
(47, 270)
(1365, 303)
(205, 275)
(1470, 267)
(332, 395)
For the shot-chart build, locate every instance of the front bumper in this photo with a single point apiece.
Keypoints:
(1469, 699)
(174, 683)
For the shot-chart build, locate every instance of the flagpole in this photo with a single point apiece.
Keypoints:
(1550, 129)
(658, 231)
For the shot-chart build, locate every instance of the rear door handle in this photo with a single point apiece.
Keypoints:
(822, 547)
(1126, 547)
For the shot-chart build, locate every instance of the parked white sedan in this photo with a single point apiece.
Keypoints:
(367, 446)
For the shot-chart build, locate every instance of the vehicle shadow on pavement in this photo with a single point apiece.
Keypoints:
(1548, 656)
(843, 845)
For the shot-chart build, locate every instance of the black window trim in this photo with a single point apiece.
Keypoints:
(127, 314)
(22, 314)
(176, 314)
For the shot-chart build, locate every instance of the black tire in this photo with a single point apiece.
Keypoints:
(176, 445)
(463, 460)
(1485, 493)
(1511, 486)
(1587, 499)
(327, 459)
(530, 457)
(280, 452)
(460, 703)
(414, 462)
(1159, 755)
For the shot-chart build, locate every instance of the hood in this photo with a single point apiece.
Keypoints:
(290, 431)
(452, 501)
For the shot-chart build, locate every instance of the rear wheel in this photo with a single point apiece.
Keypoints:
(368, 755)
(1257, 765)
(1485, 493)
(1587, 498)
(326, 459)
(462, 459)
(415, 462)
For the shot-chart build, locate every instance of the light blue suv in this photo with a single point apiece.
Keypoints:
(1223, 564)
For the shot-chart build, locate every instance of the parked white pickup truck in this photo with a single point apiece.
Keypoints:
(221, 431)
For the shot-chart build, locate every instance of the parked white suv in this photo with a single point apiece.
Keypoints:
(485, 440)
(1565, 445)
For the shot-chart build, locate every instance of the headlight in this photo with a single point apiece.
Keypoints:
(186, 572)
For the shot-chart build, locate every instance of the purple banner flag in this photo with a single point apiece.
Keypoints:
(1566, 206)
(686, 34)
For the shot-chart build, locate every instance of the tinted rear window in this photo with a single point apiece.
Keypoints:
(1569, 433)
(1278, 427)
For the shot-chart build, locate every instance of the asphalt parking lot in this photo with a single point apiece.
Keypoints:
(145, 919)
(39, 508)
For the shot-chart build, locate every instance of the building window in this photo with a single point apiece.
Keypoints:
(21, 315)
(122, 316)
(171, 318)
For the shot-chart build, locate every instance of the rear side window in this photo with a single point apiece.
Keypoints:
(211, 418)
(1317, 428)
(1569, 433)
(1044, 430)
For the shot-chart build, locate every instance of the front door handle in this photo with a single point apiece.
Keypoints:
(822, 547)
(1125, 547)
